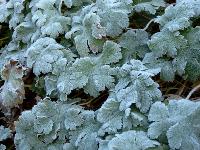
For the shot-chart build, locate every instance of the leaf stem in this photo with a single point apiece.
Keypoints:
(147, 26)
(192, 91)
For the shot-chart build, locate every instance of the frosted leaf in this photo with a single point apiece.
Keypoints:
(55, 26)
(190, 56)
(43, 125)
(134, 42)
(76, 77)
(182, 137)
(100, 79)
(160, 46)
(50, 84)
(70, 3)
(25, 32)
(167, 69)
(96, 21)
(110, 116)
(48, 19)
(118, 21)
(43, 55)
(114, 15)
(189, 128)
(70, 81)
(49, 124)
(81, 45)
(39, 18)
(85, 136)
(111, 53)
(88, 73)
(76, 121)
(2, 147)
(185, 47)
(4, 133)
(149, 7)
(177, 17)
(131, 140)
(141, 90)
(45, 4)
(92, 32)
(4, 13)
(163, 112)
(12, 92)
(177, 121)
(11, 12)
(114, 120)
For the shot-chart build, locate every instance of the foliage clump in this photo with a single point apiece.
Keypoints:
(87, 75)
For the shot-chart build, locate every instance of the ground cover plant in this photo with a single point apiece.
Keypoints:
(100, 74)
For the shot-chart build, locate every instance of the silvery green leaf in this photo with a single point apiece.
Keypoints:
(134, 42)
(44, 54)
(150, 7)
(4, 133)
(131, 140)
(177, 121)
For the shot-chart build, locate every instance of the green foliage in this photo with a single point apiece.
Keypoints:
(49, 125)
(178, 121)
(183, 51)
(96, 47)
(131, 140)
(135, 43)
(149, 6)
(4, 134)
(44, 54)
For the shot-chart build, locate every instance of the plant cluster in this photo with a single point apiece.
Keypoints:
(70, 54)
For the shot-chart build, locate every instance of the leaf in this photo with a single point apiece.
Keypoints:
(4, 133)
(114, 19)
(131, 140)
(178, 17)
(110, 116)
(48, 19)
(90, 73)
(160, 46)
(114, 120)
(111, 53)
(4, 13)
(14, 10)
(76, 77)
(177, 121)
(26, 32)
(2, 147)
(134, 42)
(49, 124)
(150, 7)
(141, 90)
(190, 56)
(72, 123)
(96, 21)
(100, 79)
(85, 136)
(70, 3)
(44, 54)
(12, 93)
(90, 32)
(184, 57)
